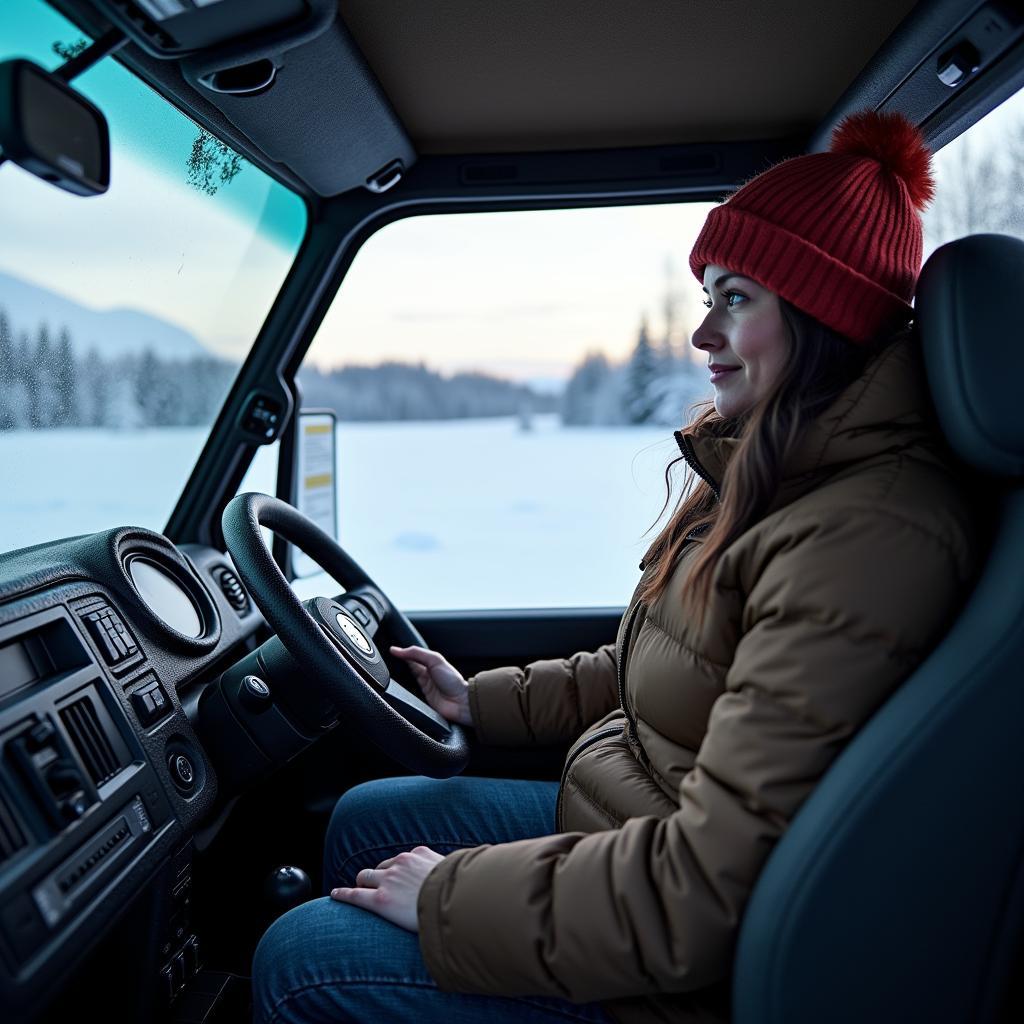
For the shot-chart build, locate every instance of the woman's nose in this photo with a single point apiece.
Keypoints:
(703, 337)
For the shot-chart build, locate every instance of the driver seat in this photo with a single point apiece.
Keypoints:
(897, 893)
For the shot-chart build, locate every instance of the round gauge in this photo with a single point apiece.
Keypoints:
(164, 597)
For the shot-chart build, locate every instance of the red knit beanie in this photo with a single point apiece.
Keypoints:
(837, 234)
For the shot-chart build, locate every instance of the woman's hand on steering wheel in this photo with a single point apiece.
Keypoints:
(444, 688)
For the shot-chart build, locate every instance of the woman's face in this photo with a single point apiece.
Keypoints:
(743, 332)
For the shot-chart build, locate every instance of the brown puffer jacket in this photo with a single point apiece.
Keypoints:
(699, 750)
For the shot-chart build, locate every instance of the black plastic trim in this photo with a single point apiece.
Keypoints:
(887, 80)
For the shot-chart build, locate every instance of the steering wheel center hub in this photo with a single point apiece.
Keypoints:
(348, 638)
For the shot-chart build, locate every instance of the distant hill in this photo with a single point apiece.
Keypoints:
(112, 332)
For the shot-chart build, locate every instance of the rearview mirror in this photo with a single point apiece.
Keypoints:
(51, 130)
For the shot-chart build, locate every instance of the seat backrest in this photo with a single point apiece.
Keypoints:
(897, 893)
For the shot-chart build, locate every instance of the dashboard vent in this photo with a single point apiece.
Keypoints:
(12, 838)
(91, 742)
(233, 590)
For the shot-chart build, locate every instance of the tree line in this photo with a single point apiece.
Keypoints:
(44, 384)
(411, 391)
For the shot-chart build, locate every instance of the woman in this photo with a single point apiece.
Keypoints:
(823, 551)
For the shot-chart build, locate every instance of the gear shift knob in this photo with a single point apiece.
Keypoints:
(286, 887)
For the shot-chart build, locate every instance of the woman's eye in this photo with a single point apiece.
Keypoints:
(727, 296)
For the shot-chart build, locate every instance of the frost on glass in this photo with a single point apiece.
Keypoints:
(124, 317)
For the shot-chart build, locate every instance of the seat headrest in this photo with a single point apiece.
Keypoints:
(968, 312)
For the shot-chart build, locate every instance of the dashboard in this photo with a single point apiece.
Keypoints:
(103, 779)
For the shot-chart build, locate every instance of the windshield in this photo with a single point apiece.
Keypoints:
(124, 317)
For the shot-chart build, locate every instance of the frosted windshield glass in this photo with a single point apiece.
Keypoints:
(124, 317)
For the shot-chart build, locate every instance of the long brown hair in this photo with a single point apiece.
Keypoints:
(820, 365)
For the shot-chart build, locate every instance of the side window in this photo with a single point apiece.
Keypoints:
(980, 179)
(506, 386)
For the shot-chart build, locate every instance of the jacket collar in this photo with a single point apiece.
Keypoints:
(885, 410)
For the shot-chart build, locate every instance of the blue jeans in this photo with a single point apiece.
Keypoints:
(331, 961)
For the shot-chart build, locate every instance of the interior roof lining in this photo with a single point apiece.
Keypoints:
(880, 77)
(535, 76)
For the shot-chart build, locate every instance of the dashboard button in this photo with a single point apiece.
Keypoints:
(41, 735)
(182, 771)
(150, 702)
(254, 694)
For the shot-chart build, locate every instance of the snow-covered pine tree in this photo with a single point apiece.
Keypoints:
(95, 378)
(11, 397)
(46, 396)
(66, 411)
(579, 400)
(641, 377)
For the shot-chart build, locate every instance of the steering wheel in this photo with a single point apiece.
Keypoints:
(332, 640)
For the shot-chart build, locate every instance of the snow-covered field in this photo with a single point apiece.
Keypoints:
(443, 515)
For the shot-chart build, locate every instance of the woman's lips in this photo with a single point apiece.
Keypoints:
(718, 374)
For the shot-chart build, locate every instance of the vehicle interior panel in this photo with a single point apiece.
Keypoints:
(148, 785)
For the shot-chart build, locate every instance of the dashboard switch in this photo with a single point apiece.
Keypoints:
(150, 702)
(41, 735)
(111, 635)
(263, 417)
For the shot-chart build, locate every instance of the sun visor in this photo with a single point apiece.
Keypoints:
(317, 108)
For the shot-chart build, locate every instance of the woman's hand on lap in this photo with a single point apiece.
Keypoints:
(392, 888)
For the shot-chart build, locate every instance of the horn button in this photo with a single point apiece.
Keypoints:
(353, 632)
(348, 637)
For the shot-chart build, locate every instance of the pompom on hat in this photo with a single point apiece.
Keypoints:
(837, 234)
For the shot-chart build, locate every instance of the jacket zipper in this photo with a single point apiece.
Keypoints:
(591, 740)
(686, 447)
(621, 670)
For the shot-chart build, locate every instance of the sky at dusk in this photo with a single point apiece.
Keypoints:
(522, 293)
